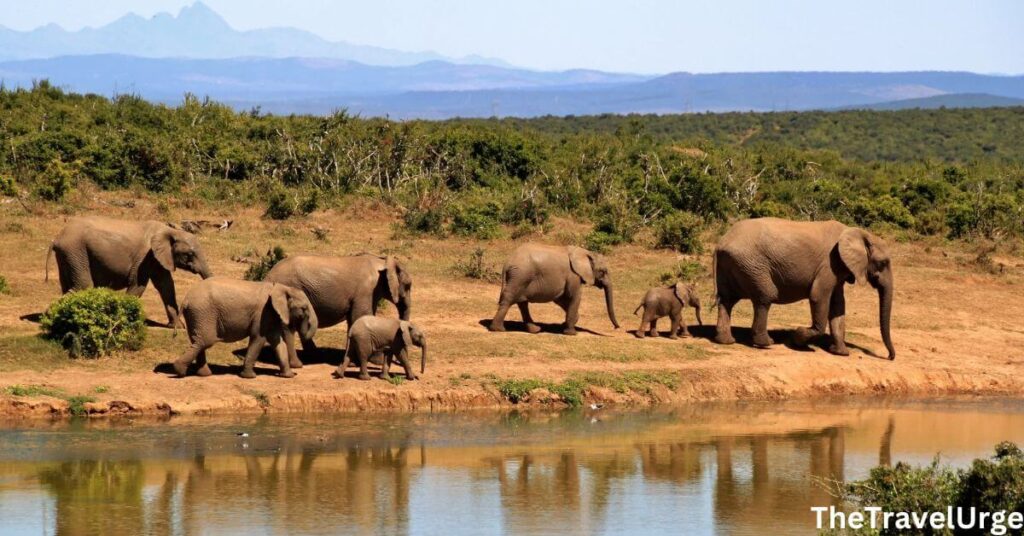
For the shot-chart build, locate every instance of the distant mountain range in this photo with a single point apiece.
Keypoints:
(199, 32)
(285, 70)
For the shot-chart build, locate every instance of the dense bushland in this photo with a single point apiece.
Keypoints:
(954, 173)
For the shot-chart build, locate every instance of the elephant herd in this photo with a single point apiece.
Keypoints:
(764, 260)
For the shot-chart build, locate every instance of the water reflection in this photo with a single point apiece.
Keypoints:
(735, 468)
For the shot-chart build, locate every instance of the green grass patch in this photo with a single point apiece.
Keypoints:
(396, 380)
(571, 389)
(76, 403)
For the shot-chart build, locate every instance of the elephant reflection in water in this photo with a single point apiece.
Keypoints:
(97, 496)
(365, 489)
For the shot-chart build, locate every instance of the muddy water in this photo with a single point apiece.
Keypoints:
(737, 469)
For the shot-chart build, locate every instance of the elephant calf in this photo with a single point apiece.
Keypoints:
(228, 310)
(667, 301)
(120, 254)
(371, 334)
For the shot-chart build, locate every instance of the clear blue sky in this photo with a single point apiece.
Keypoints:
(649, 36)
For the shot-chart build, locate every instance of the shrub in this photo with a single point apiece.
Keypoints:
(7, 187)
(474, 267)
(600, 241)
(310, 202)
(95, 322)
(279, 207)
(5, 288)
(680, 231)
(868, 211)
(476, 221)
(683, 271)
(57, 180)
(261, 266)
(427, 220)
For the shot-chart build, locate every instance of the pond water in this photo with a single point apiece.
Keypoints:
(733, 468)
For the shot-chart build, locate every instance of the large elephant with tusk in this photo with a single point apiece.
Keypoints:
(539, 274)
(770, 260)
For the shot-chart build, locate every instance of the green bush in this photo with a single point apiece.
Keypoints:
(868, 211)
(428, 220)
(279, 207)
(310, 203)
(259, 268)
(683, 271)
(601, 242)
(95, 322)
(476, 221)
(680, 231)
(5, 288)
(8, 187)
(474, 268)
(57, 180)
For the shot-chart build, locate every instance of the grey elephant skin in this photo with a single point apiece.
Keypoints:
(221, 309)
(120, 254)
(372, 334)
(770, 260)
(537, 273)
(667, 301)
(346, 288)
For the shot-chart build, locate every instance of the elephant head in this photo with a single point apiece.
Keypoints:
(866, 257)
(175, 248)
(395, 277)
(687, 295)
(593, 270)
(413, 336)
(294, 310)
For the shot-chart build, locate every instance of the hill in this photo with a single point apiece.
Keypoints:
(955, 100)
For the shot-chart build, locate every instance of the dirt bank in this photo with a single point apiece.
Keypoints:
(956, 329)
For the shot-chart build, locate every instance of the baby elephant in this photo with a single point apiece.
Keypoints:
(220, 309)
(667, 301)
(371, 334)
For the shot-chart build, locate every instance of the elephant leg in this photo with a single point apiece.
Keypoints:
(723, 332)
(190, 355)
(403, 358)
(760, 326)
(653, 331)
(645, 324)
(308, 345)
(165, 287)
(364, 361)
(819, 319)
(251, 354)
(385, 368)
(524, 310)
(293, 356)
(674, 333)
(572, 313)
(340, 371)
(281, 348)
(202, 366)
(498, 323)
(837, 322)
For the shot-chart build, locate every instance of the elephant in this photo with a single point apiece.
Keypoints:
(537, 273)
(120, 254)
(221, 309)
(771, 260)
(372, 334)
(668, 301)
(346, 288)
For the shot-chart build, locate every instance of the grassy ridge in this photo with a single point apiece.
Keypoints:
(953, 173)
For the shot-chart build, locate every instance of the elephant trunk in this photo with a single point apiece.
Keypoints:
(423, 356)
(697, 310)
(308, 328)
(610, 304)
(885, 293)
(203, 269)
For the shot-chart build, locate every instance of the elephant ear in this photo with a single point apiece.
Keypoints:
(161, 243)
(582, 264)
(403, 330)
(393, 268)
(279, 301)
(854, 253)
(681, 292)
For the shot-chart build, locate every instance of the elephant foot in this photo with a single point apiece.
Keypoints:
(532, 328)
(803, 336)
(385, 375)
(839, 349)
(295, 364)
(569, 331)
(203, 371)
(640, 334)
(247, 374)
(673, 336)
(725, 338)
(364, 376)
(411, 377)
(496, 327)
(286, 374)
(338, 374)
(762, 340)
(685, 334)
(181, 369)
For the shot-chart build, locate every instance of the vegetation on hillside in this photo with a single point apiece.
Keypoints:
(954, 173)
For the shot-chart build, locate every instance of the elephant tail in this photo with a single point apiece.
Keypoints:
(638, 308)
(49, 253)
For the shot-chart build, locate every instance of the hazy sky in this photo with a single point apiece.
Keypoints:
(649, 36)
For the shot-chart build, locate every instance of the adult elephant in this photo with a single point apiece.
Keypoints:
(122, 254)
(539, 274)
(346, 288)
(770, 260)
